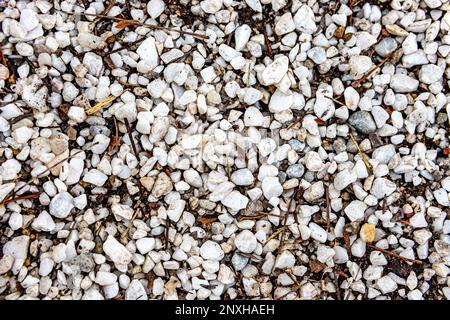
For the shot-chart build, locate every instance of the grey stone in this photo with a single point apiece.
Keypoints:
(363, 122)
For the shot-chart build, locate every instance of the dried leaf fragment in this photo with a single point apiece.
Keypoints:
(206, 220)
(316, 266)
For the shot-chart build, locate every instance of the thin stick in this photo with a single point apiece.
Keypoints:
(101, 104)
(276, 233)
(109, 7)
(364, 78)
(166, 234)
(394, 254)
(266, 40)
(150, 26)
(335, 100)
(125, 233)
(293, 277)
(125, 46)
(260, 215)
(28, 196)
(48, 169)
(327, 195)
(363, 156)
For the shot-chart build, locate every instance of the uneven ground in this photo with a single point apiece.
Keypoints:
(219, 149)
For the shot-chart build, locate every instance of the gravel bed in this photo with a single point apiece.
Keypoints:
(224, 149)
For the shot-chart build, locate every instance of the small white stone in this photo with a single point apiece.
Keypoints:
(17, 247)
(43, 222)
(255, 5)
(61, 205)
(22, 134)
(148, 53)
(242, 177)
(285, 260)
(29, 19)
(317, 232)
(176, 209)
(145, 245)
(386, 284)
(285, 24)
(104, 278)
(95, 177)
(383, 187)
(355, 210)
(280, 101)
(359, 66)
(136, 291)
(5, 189)
(15, 221)
(430, 73)
(226, 275)
(235, 201)
(211, 6)
(253, 117)
(155, 8)
(344, 179)
(403, 83)
(9, 169)
(241, 36)
(304, 19)
(271, 187)
(313, 161)
(122, 211)
(246, 241)
(116, 251)
(275, 71)
(6, 263)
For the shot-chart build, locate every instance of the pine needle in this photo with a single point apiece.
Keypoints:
(276, 233)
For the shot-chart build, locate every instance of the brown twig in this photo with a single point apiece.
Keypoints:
(346, 237)
(335, 100)
(125, 233)
(266, 40)
(48, 169)
(394, 254)
(109, 7)
(336, 283)
(150, 26)
(276, 233)
(166, 234)
(261, 215)
(125, 46)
